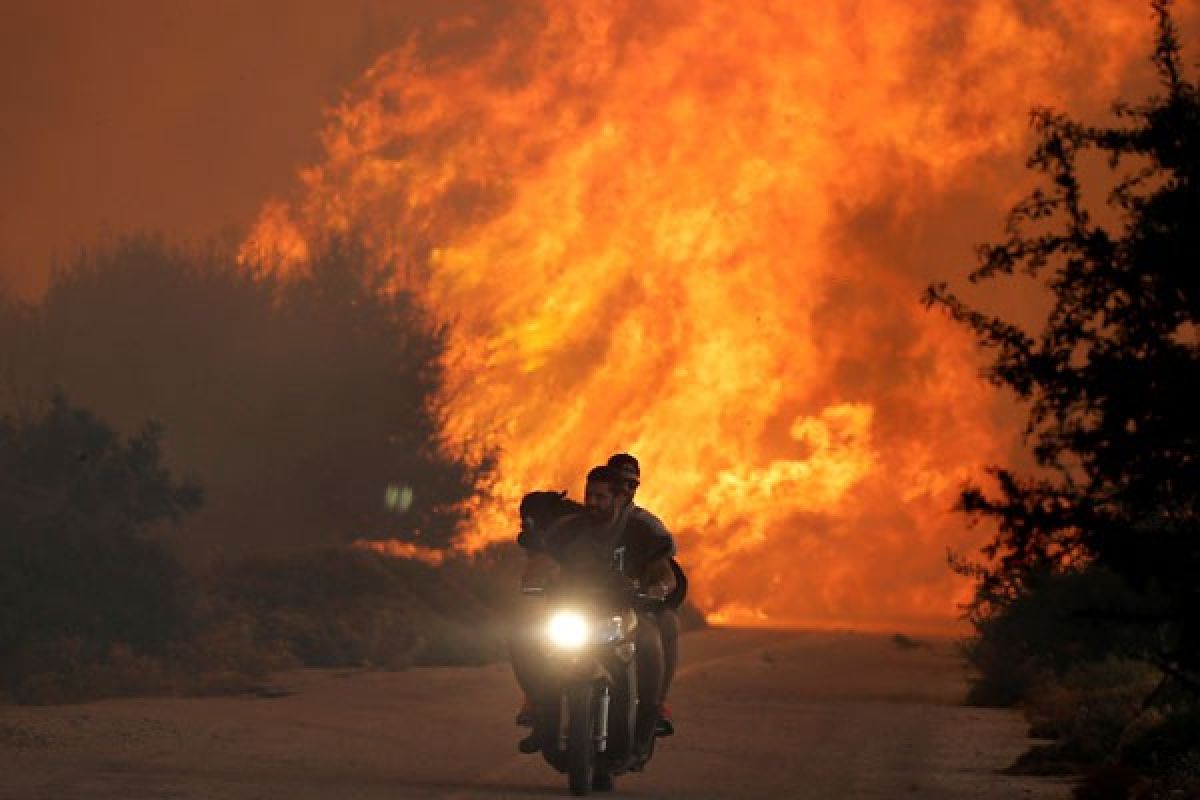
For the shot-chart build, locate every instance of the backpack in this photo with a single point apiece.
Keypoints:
(675, 599)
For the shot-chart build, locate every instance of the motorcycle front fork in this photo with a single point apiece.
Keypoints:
(601, 720)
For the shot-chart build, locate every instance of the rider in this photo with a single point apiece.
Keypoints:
(668, 618)
(590, 543)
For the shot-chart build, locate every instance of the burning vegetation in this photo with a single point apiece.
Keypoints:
(698, 233)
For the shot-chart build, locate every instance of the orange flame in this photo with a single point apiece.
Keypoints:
(648, 224)
(399, 549)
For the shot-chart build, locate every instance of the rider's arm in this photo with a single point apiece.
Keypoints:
(540, 571)
(654, 524)
(658, 579)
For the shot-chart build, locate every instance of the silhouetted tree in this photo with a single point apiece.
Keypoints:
(77, 559)
(1112, 382)
(307, 405)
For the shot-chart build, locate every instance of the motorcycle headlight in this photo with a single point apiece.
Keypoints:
(568, 630)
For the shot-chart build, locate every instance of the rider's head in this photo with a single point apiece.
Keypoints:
(629, 471)
(604, 494)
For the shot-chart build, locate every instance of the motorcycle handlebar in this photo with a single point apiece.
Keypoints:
(641, 600)
(648, 602)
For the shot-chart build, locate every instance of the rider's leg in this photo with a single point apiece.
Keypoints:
(668, 627)
(650, 674)
(525, 656)
(521, 654)
(525, 659)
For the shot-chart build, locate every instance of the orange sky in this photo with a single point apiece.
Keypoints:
(178, 116)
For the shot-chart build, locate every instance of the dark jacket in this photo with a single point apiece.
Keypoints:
(586, 548)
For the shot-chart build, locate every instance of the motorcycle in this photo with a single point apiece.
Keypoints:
(588, 719)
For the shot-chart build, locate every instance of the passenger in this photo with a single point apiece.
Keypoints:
(667, 617)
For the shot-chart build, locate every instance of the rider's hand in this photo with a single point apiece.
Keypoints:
(623, 583)
(657, 590)
(539, 573)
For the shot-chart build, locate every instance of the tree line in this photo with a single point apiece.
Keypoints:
(187, 447)
(1087, 601)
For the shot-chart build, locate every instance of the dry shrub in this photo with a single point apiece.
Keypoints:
(125, 673)
(1089, 712)
(1168, 751)
(225, 658)
(1181, 781)
(63, 671)
(339, 607)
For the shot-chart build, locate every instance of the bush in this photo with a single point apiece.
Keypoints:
(86, 591)
(298, 401)
(1054, 622)
(1105, 730)
(1091, 709)
(224, 656)
(1169, 745)
(336, 607)
(1181, 780)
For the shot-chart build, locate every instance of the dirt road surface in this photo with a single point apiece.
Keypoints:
(761, 714)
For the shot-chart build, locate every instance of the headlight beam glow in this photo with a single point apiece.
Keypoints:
(568, 630)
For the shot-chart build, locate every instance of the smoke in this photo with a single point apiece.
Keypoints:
(181, 116)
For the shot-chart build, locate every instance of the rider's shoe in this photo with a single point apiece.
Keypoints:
(525, 715)
(665, 726)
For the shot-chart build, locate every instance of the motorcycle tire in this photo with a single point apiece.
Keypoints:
(602, 781)
(581, 745)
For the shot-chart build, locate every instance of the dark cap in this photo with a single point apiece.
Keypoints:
(627, 465)
(605, 474)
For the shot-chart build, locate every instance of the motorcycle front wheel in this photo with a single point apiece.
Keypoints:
(581, 744)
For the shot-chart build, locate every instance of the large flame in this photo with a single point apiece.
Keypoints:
(643, 219)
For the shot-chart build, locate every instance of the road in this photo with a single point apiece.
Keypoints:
(761, 714)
